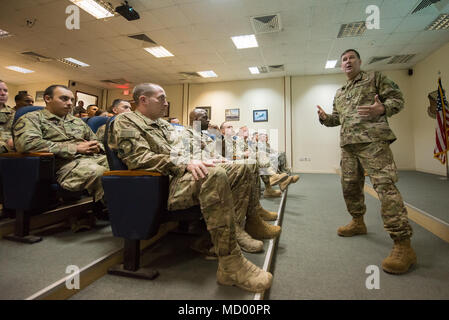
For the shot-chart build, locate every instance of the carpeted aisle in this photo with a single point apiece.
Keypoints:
(313, 262)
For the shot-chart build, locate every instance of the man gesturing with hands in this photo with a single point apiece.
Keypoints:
(361, 107)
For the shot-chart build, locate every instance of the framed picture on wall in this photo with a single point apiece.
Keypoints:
(39, 96)
(260, 115)
(232, 114)
(167, 112)
(208, 110)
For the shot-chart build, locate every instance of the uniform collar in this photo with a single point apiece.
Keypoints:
(357, 78)
(159, 122)
(48, 115)
(6, 109)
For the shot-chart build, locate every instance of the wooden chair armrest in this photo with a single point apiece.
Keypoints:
(131, 173)
(26, 154)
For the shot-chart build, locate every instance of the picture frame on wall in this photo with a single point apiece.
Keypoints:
(260, 115)
(39, 96)
(208, 110)
(232, 114)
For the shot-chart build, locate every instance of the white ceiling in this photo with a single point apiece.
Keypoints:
(198, 33)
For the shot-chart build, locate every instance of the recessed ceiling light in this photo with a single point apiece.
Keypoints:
(98, 8)
(74, 61)
(247, 41)
(159, 52)
(207, 74)
(330, 64)
(440, 23)
(19, 69)
(254, 70)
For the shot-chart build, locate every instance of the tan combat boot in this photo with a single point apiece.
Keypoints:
(291, 179)
(401, 257)
(355, 227)
(278, 178)
(236, 270)
(247, 243)
(259, 229)
(267, 215)
(271, 193)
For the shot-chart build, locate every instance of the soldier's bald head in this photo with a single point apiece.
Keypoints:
(144, 89)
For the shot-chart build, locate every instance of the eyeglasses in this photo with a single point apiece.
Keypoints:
(162, 98)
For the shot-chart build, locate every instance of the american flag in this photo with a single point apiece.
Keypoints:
(442, 128)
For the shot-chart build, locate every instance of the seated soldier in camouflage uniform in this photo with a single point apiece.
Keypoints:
(261, 143)
(147, 142)
(79, 159)
(237, 148)
(118, 106)
(259, 229)
(6, 119)
(361, 107)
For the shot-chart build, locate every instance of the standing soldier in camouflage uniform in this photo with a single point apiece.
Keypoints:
(79, 160)
(146, 142)
(361, 107)
(6, 119)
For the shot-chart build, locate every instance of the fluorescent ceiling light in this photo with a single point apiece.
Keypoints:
(77, 62)
(254, 70)
(19, 69)
(98, 8)
(330, 64)
(243, 42)
(440, 23)
(4, 34)
(207, 74)
(159, 52)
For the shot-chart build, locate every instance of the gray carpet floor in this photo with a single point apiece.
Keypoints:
(26, 269)
(313, 262)
(184, 274)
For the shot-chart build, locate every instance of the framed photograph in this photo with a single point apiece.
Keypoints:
(232, 115)
(208, 110)
(260, 115)
(167, 112)
(39, 96)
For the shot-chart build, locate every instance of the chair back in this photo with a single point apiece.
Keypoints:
(25, 110)
(113, 160)
(96, 122)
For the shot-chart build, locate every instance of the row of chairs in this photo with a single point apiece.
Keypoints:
(136, 200)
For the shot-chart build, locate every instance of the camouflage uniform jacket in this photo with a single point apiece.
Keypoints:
(193, 141)
(145, 144)
(361, 91)
(6, 119)
(42, 131)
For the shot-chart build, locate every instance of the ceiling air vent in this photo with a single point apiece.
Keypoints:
(189, 75)
(116, 81)
(424, 4)
(404, 58)
(266, 24)
(36, 56)
(142, 37)
(353, 29)
(275, 68)
(377, 59)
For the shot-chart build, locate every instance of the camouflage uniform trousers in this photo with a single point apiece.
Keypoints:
(84, 173)
(225, 198)
(377, 160)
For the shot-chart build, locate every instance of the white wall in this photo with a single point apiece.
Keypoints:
(423, 81)
(321, 144)
(247, 96)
